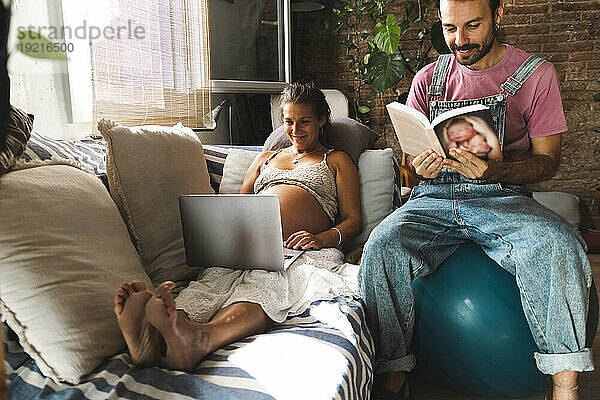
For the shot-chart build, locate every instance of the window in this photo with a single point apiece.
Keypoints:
(250, 49)
(149, 60)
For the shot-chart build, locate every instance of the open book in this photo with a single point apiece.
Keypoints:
(470, 128)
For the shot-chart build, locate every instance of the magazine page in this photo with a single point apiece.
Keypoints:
(472, 131)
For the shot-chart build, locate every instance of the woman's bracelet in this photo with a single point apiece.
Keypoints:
(340, 235)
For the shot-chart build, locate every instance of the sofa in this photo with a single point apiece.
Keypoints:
(88, 214)
(79, 217)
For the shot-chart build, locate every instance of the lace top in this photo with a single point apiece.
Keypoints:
(317, 179)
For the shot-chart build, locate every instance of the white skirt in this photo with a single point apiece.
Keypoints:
(315, 275)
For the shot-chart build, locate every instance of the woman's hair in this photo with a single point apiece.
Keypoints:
(308, 93)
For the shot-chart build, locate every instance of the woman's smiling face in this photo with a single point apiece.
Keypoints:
(302, 126)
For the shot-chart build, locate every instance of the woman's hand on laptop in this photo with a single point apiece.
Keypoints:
(303, 240)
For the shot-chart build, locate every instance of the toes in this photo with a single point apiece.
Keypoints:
(125, 287)
(170, 303)
(119, 305)
(137, 286)
(163, 292)
(163, 289)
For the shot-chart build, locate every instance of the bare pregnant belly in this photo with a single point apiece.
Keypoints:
(299, 210)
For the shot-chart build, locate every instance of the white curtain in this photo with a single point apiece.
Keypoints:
(156, 67)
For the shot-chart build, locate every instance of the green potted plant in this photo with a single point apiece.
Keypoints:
(377, 63)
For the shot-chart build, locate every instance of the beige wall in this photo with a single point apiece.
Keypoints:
(567, 33)
(40, 87)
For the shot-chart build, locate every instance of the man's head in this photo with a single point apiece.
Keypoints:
(493, 5)
(469, 28)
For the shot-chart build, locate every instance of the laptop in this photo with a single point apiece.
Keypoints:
(238, 231)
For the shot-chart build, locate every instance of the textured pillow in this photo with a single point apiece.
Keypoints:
(64, 250)
(17, 133)
(347, 135)
(375, 172)
(564, 204)
(149, 167)
(89, 153)
(234, 171)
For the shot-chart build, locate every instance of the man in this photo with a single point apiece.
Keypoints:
(467, 199)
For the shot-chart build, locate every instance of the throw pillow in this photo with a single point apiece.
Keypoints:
(64, 250)
(347, 135)
(234, 171)
(375, 172)
(564, 204)
(17, 133)
(88, 153)
(149, 167)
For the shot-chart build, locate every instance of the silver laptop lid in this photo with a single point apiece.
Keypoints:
(240, 231)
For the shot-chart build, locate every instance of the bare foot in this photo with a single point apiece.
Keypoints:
(187, 342)
(143, 341)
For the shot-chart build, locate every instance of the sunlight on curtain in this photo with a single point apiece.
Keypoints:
(153, 65)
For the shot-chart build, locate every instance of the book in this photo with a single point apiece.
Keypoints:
(470, 128)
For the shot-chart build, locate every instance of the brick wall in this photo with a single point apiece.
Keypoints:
(567, 33)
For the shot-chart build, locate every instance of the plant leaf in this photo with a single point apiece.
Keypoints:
(35, 45)
(597, 97)
(387, 36)
(371, 96)
(385, 71)
(363, 109)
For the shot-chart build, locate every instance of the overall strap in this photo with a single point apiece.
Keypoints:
(439, 75)
(516, 80)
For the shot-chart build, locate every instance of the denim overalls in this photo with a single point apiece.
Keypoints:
(531, 242)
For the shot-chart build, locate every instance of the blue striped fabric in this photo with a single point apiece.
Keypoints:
(89, 153)
(325, 353)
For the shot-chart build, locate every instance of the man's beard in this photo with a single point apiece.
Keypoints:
(482, 51)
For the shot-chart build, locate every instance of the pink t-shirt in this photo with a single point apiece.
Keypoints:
(535, 111)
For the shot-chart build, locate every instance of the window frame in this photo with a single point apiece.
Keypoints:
(285, 69)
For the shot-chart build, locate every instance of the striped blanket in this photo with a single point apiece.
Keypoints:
(324, 353)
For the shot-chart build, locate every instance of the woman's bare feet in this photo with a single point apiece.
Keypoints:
(187, 342)
(143, 341)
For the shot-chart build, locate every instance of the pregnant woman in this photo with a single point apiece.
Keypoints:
(319, 196)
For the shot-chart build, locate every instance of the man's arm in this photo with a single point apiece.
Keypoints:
(542, 165)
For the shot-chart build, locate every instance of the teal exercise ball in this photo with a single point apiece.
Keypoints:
(470, 331)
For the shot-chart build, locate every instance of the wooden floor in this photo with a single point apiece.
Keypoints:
(589, 382)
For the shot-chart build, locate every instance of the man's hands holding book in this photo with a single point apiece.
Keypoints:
(467, 164)
(428, 164)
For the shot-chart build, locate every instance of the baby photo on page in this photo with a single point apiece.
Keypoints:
(473, 132)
